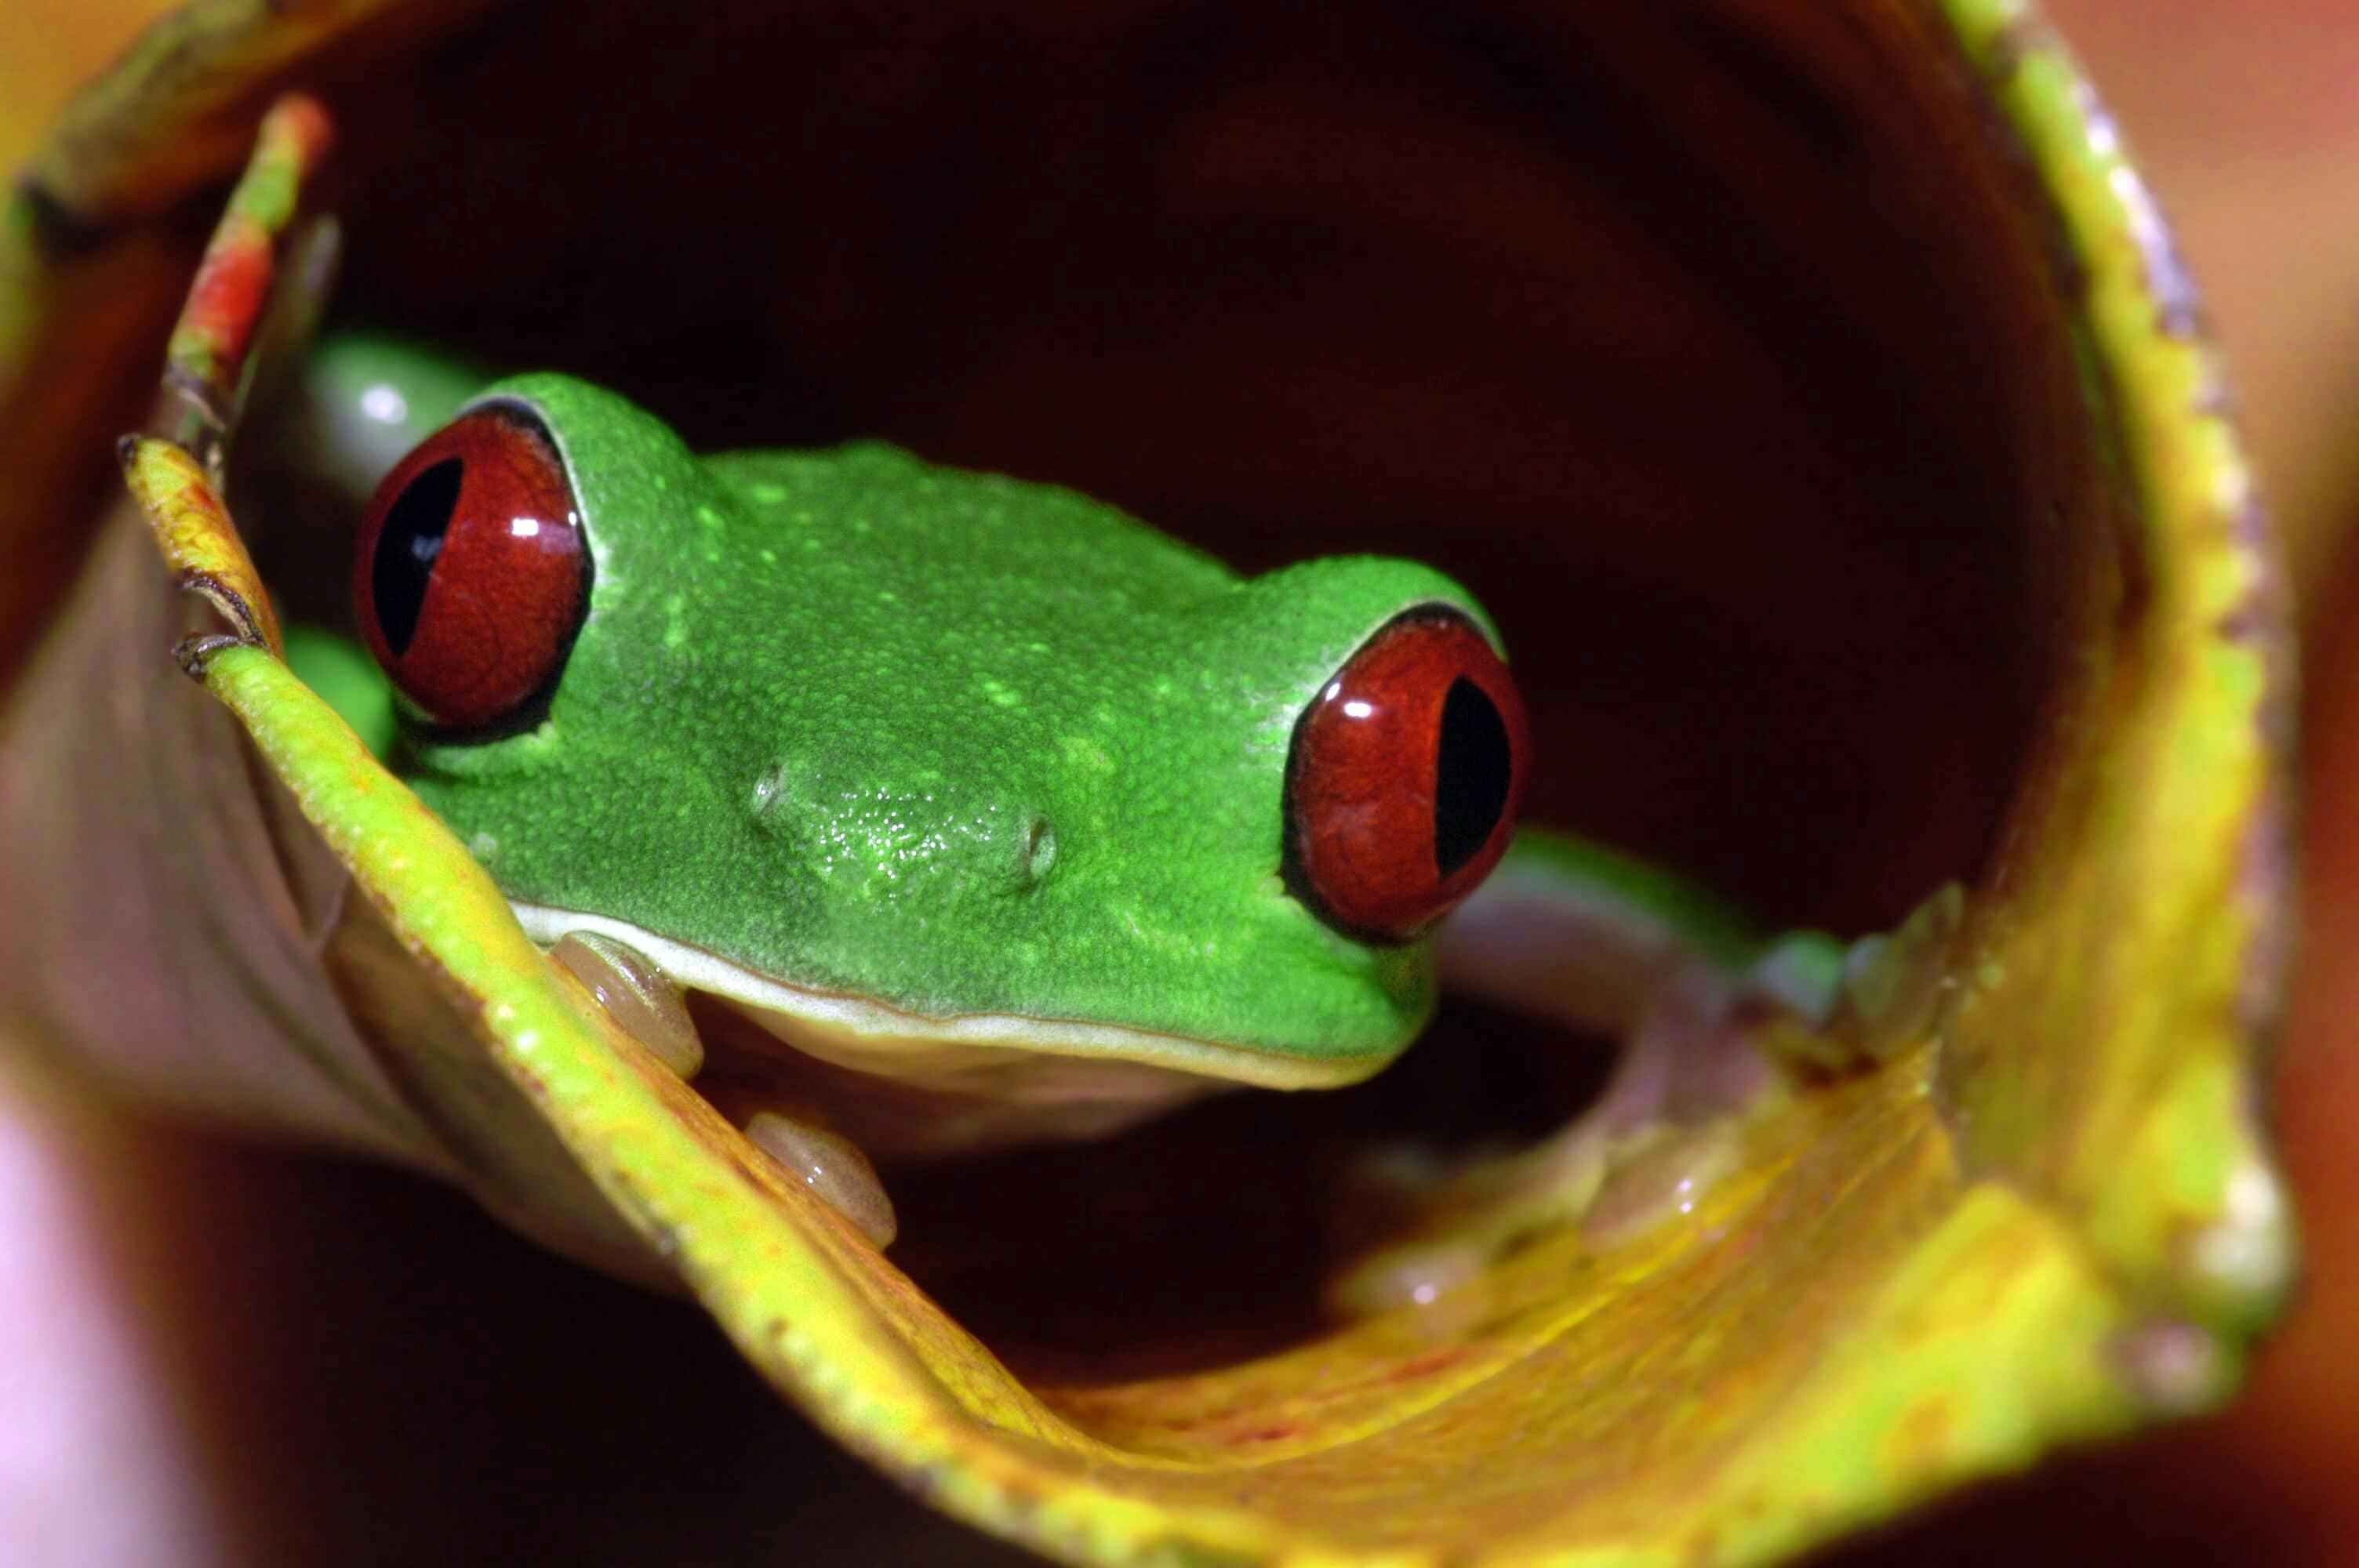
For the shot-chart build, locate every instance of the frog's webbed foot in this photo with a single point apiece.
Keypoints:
(1710, 1025)
(1830, 1007)
(1662, 1131)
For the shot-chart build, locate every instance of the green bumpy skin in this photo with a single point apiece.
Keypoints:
(952, 742)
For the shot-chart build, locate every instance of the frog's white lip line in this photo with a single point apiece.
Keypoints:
(886, 1026)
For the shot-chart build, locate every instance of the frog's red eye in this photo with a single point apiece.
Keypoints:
(472, 575)
(1406, 774)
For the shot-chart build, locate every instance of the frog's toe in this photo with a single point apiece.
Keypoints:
(1823, 1006)
(829, 1164)
(635, 991)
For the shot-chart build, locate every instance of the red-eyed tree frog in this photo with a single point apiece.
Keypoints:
(975, 811)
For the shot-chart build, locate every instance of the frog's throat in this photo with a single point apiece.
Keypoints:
(861, 1033)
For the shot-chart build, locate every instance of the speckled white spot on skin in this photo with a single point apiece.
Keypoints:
(1087, 753)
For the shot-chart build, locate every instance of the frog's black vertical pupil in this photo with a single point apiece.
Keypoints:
(1471, 775)
(406, 548)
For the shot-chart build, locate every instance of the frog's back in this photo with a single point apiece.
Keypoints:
(878, 520)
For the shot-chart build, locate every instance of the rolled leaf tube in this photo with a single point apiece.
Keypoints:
(1811, 391)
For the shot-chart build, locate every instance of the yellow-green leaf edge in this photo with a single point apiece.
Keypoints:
(1983, 1318)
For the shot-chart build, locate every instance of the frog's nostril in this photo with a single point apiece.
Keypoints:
(1037, 854)
(769, 789)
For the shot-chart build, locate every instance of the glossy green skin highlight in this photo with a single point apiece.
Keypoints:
(952, 742)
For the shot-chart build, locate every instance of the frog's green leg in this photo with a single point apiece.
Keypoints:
(1593, 939)
(1588, 937)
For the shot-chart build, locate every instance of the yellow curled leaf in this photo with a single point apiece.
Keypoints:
(2046, 1215)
